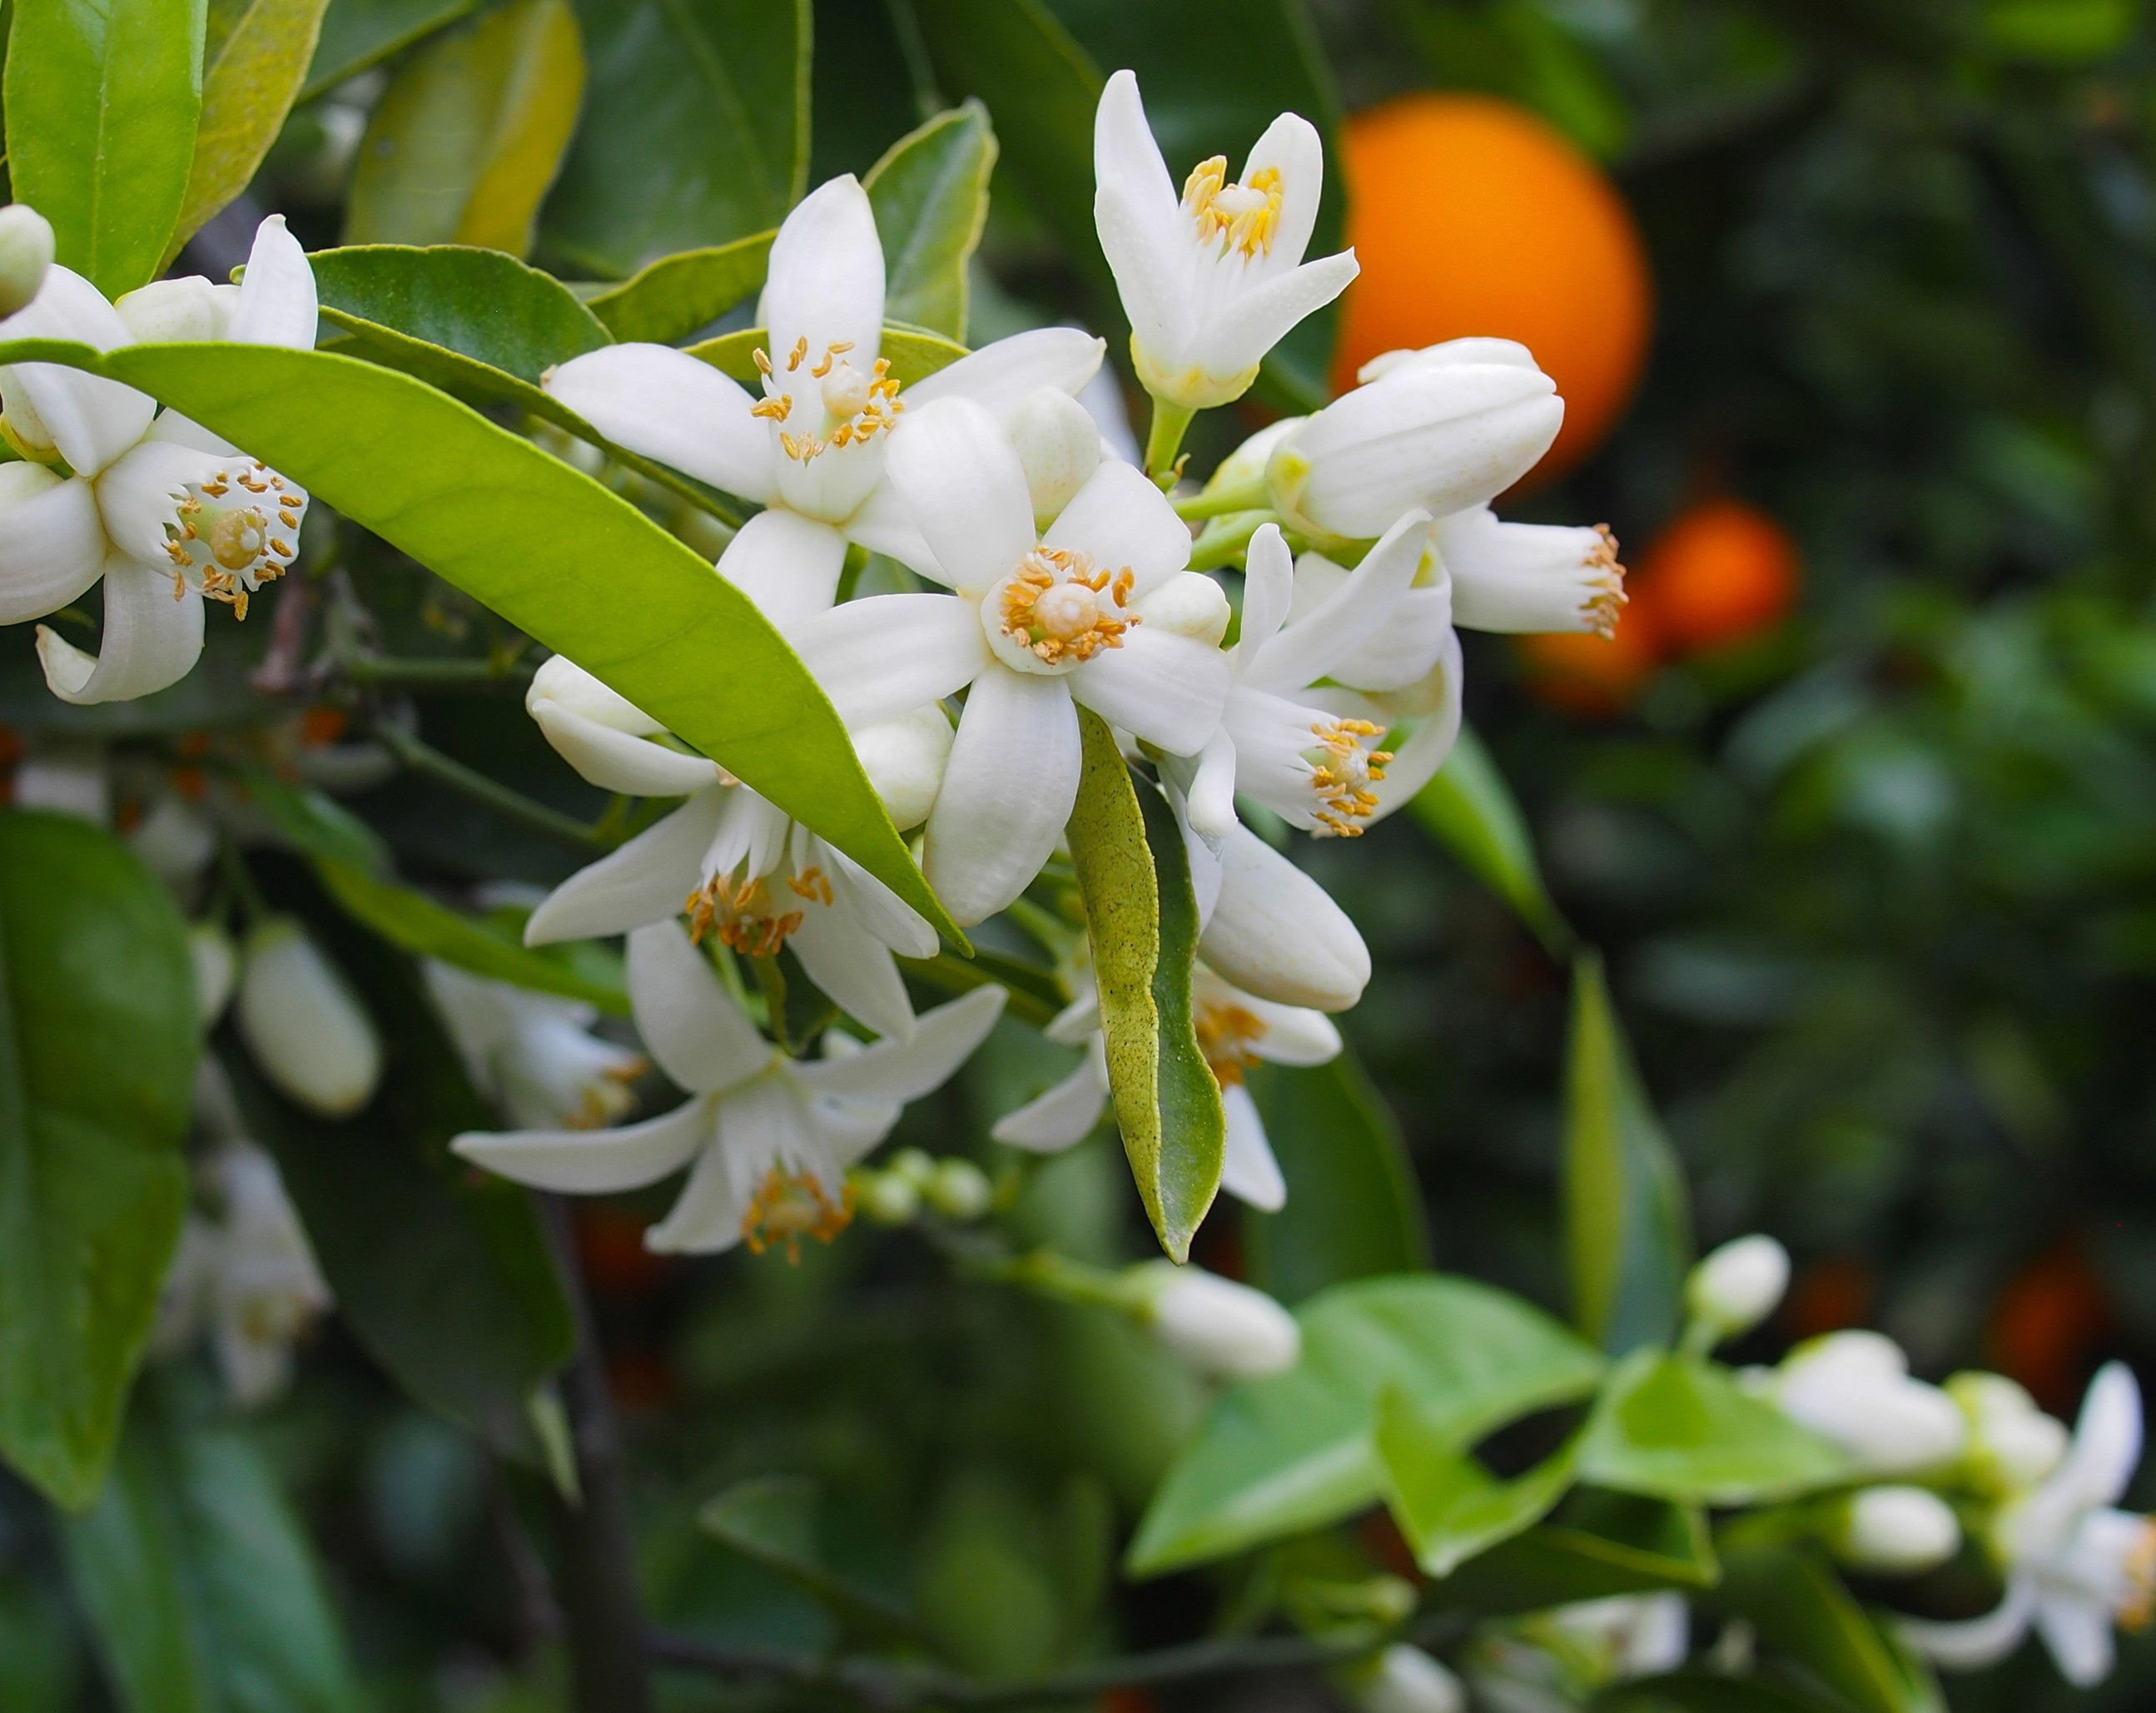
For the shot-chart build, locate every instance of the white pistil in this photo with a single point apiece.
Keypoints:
(1238, 217)
(234, 530)
(1341, 783)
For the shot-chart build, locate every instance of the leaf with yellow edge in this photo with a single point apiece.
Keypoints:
(255, 58)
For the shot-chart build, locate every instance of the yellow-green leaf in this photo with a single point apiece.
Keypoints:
(914, 354)
(676, 295)
(930, 193)
(1468, 807)
(254, 57)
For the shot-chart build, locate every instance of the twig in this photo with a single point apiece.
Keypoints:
(423, 758)
(448, 672)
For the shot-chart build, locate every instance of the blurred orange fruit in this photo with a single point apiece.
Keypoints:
(1829, 1295)
(1586, 673)
(2048, 1324)
(1722, 572)
(1471, 216)
(610, 1248)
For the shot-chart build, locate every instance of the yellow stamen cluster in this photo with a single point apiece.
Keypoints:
(2140, 1603)
(1240, 216)
(1609, 582)
(855, 405)
(788, 1207)
(1228, 1036)
(1052, 605)
(234, 544)
(740, 914)
(607, 1099)
(1343, 784)
(811, 883)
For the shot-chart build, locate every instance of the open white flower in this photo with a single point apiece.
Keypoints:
(165, 513)
(2076, 1565)
(740, 868)
(1211, 280)
(533, 1054)
(1235, 1030)
(814, 443)
(1098, 611)
(768, 1139)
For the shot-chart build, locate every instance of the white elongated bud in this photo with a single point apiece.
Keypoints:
(1276, 932)
(1855, 1389)
(1404, 1679)
(1531, 576)
(1058, 445)
(1899, 1531)
(2013, 1444)
(217, 965)
(303, 1023)
(1738, 1285)
(1214, 1324)
(26, 251)
(176, 839)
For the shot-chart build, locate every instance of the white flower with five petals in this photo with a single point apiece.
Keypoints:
(766, 1139)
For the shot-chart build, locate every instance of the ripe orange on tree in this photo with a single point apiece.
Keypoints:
(1723, 572)
(1471, 216)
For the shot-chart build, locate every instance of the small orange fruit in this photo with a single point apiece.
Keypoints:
(1586, 673)
(1723, 572)
(1471, 216)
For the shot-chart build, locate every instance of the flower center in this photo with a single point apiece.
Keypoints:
(607, 1097)
(744, 914)
(789, 1206)
(1062, 610)
(1228, 1036)
(1342, 782)
(1608, 581)
(2139, 1605)
(234, 530)
(854, 405)
(1237, 217)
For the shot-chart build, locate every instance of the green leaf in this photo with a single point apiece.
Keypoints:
(1800, 1609)
(444, 1275)
(415, 922)
(314, 822)
(199, 1585)
(97, 1057)
(1353, 1207)
(930, 192)
(357, 33)
(696, 129)
(2060, 32)
(1143, 917)
(1627, 1224)
(914, 353)
(771, 1520)
(464, 143)
(255, 56)
(102, 98)
(1516, 49)
(1293, 1453)
(1707, 1692)
(1450, 1506)
(1600, 1544)
(404, 461)
(1678, 1428)
(679, 294)
(1468, 807)
(477, 303)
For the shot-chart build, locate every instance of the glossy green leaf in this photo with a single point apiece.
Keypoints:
(1448, 1504)
(1599, 1544)
(1283, 1455)
(1516, 49)
(771, 1520)
(102, 99)
(1800, 1608)
(200, 1587)
(414, 921)
(930, 192)
(2060, 32)
(1469, 808)
(696, 129)
(97, 1057)
(1707, 1692)
(477, 304)
(465, 142)
(1679, 1428)
(255, 56)
(1353, 1207)
(914, 353)
(315, 822)
(1628, 1226)
(357, 33)
(1141, 916)
(403, 461)
(679, 294)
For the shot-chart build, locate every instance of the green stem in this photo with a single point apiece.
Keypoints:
(1060, 1279)
(1165, 439)
(391, 672)
(1252, 495)
(232, 868)
(1224, 539)
(513, 805)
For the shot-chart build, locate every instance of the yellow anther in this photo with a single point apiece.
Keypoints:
(1051, 604)
(1241, 217)
(798, 354)
(789, 1206)
(1228, 1035)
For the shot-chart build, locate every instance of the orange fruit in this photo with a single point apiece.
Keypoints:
(1723, 572)
(2048, 1324)
(1586, 673)
(1471, 216)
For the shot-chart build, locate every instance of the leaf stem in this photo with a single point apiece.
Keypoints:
(513, 805)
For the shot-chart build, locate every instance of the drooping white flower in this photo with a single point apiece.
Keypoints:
(302, 1023)
(1736, 1287)
(740, 868)
(1855, 1389)
(1531, 576)
(1214, 1324)
(2076, 1565)
(165, 513)
(1098, 611)
(1896, 1529)
(814, 443)
(533, 1054)
(1211, 280)
(767, 1138)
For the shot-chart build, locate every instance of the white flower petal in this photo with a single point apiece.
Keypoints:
(1361, 609)
(2107, 1444)
(906, 1069)
(646, 880)
(691, 1024)
(1211, 804)
(1120, 519)
(585, 1162)
(151, 639)
(1976, 1642)
(1248, 1170)
(277, 304)
(1136, 213)
(1269, 587)
(1405, 652)
(51, 541)
(788, 565)
(826, 283)
(1294, 1035)
(91, 420)
(1062, 1116)
(885, 656)
(1238, 337)
(614, 761)
(1007, 791)
(2077, 1631)
(184, 311)
(1000, 376)
(1415, 762)
(883, 524)
(1292, 148)
(1278, 933)
(665, 404)
(561, 680)
(855, 970)
(1166, 688)
(879, 911)
(139, 494)
(967, 491)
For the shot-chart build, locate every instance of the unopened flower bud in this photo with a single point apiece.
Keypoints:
(959, 1190)
(2013, 1444)
(215, 966)
(1274, 931)
(1899, 1531)
(885, 1197)
(26, 251)
(916, 1166)
(1059, 445)
(1215, 1324)
(1404, 1679)
(1855, 1389)
(184, 311)
(303, 1023)
(904, 759)
(1738, 1285)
